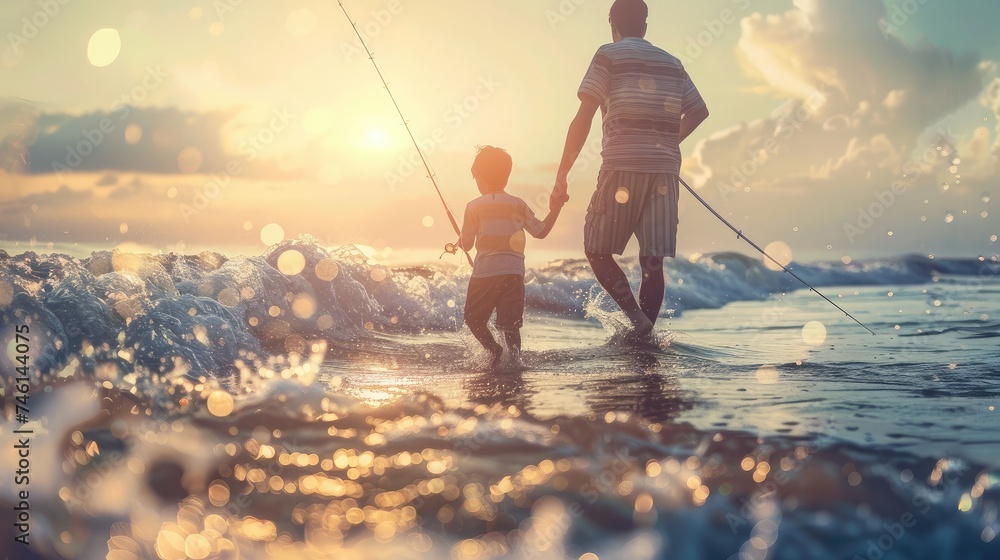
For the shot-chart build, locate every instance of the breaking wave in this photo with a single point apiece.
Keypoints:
(211, 315)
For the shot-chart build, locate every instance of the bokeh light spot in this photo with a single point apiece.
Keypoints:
(11, 56)
(104, 47)
(325, 322)
(327, 270)
(304, 306)
(197, 547)
(229, 297)
(781, 253)
(621, 197)
(189, 160)
(814, 333)
(291, 262)
(220, 403)
(272, 234)
(6, 293)
(767, 375)
(518, 241)
(133, 134)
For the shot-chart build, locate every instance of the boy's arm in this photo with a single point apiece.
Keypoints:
(555, 207)
(550, 222)
(469, 227)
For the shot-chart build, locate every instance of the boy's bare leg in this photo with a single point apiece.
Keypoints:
(652, 289)
(612, 278)
(481, 331)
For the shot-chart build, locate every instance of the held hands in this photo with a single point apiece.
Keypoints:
(559, 194)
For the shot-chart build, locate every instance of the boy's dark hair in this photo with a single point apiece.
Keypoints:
(493, 167)
(629, 17)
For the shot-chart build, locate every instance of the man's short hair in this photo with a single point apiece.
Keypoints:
(492, 167)
(629, 17)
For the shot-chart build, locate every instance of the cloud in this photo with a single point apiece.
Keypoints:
(129, 139)
(107, 181)
(859, 101)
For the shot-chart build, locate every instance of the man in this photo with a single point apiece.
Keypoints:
(649, 106)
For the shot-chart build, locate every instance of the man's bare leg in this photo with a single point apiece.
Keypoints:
(512, 335)
(652, 290)
(612, 278)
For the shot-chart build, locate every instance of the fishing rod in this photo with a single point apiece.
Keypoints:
(451, 248)
(739, 235)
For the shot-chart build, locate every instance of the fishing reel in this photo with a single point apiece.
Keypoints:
(449, 249)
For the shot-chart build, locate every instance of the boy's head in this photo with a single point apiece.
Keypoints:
(628, 19)
(492, 169)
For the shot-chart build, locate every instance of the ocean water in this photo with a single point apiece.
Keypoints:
(312, 403)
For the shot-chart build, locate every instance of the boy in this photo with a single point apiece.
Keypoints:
(495, 224)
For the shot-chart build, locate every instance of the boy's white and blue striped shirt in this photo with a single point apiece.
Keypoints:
(497, 223)
(643, 91)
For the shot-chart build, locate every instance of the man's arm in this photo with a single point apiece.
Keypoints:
(576, 138)
(691, 121)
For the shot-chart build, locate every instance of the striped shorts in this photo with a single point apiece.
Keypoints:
(627, 203)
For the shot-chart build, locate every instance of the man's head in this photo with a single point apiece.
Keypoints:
(492, 169)
(628, 19)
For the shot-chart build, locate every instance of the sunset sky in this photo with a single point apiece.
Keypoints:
(186, 125)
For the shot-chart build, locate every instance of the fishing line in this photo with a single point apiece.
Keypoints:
(739, 235)
(450, 247)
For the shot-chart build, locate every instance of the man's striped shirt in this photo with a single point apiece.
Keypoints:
(643, 91)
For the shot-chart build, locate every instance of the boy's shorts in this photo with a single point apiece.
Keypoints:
(503, 294)
(627, 203)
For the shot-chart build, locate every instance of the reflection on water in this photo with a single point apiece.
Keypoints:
(590, 379)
